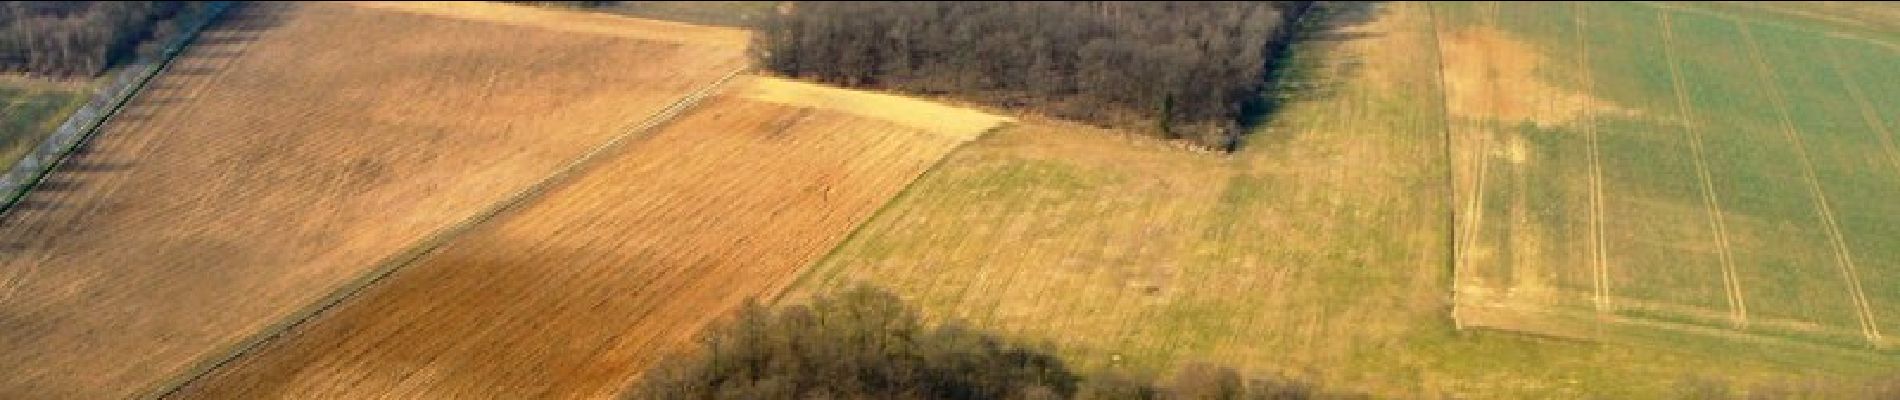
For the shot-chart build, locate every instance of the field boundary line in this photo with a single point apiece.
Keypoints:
(1782, 339)
(1453, 252)
(1475, 205)
(1866, 108)
(1738, 304)
(810, 271)
(1843, 256)
(429, 244)
(1599, 256)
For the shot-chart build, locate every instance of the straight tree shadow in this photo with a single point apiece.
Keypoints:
(224, 39)
(1342, 36)
(56, 185)
(87, 167)
(193, 70)
(28, 203)
(229, 35)
(1300, 70)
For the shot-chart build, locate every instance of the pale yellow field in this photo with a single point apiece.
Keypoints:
(959, 123)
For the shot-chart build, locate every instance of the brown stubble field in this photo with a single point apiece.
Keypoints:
(285, 156)
(576, 292)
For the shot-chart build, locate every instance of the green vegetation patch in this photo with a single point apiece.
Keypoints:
(28, 115)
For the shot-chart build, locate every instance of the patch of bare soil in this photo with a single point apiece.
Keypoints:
(1491, 75)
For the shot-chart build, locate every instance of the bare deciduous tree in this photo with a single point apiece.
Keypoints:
(1187, 68)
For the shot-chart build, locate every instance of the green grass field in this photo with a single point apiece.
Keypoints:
(1866, 20)
(1323, 250)
(1742, 180)
(28, 113)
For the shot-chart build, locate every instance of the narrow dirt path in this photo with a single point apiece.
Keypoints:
(1843, 257)
(1738, 304)
(1475, 207)
(1599, 255)
(1451, 182)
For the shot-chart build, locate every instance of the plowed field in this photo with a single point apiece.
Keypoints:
(286, 155)
(576, 292)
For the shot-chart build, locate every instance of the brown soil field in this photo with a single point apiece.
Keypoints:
(576, 292)
(288, 154)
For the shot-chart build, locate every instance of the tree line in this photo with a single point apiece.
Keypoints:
(867, 344)
(81, 38)
(1178, 69)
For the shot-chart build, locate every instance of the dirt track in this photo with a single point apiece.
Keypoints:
(576, 292)
(290, 152)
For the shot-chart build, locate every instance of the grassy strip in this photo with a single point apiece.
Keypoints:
(31, 115)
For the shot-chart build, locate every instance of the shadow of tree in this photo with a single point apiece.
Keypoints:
(1300, 72)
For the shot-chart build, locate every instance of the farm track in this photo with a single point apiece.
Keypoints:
(1475, 206)
(1576, 324)
(1867, 110)
(1843, 256)
(1599, 255)
(1635, 307)
(1738, 305)
(1451, 180)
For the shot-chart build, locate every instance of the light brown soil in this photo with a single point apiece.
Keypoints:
(577, 292)
(271, 165)
(1479, 58)
(959, 123)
